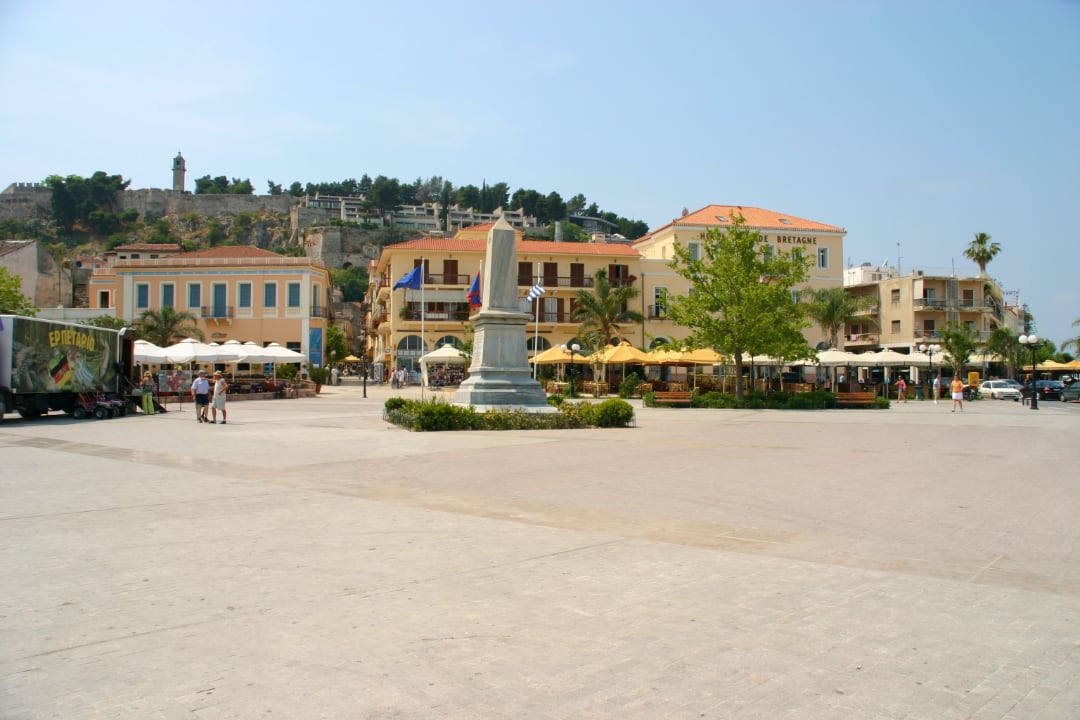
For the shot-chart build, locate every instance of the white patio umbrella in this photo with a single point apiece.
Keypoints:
(190, 350)
(230, 353)
(148, 353)
(280, 355)
(256, 354)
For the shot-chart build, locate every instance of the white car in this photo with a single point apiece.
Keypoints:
(999, 389)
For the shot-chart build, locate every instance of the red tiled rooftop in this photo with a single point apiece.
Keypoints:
(758, 218)
(537, 247)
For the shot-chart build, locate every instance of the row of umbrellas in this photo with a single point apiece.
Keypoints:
(626, 354)
(191, 350)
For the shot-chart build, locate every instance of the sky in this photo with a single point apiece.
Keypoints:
(913, 125)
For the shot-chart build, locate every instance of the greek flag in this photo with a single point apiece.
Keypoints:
(536, 291)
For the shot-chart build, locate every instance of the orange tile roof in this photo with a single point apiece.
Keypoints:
(232, 251)
(538, 247)
(756, 218)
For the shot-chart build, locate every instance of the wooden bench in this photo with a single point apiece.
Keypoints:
(844, 399)
(672, 397)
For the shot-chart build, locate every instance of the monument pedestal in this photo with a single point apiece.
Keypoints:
(499, 377)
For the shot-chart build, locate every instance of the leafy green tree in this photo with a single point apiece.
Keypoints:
(12, 301)
(960, 342)
(221, 185)
(296, 190)
(1004, 343)
(385, 194)
(241, 228)
(167, 326)
(740, 297)
(107, 321)
(605, 309)
(352, 280)
(273, 188)
(73, 198)
(575, 205)
(468, 196)
(336, 346)
(981, 251)
(215, 232)
(834, 308)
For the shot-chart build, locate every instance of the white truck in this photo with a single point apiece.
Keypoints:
(48, 365)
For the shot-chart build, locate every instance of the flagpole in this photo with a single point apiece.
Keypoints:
(423, 315)
(536, 326)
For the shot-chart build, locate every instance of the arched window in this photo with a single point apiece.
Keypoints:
(657, 342)
(537, 344)
(448, 340)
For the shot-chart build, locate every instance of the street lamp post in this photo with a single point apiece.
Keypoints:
(1032, 341)
(572, 348)
(364, 371)
(929, 350)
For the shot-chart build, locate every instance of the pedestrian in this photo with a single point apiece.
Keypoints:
(957, 389)
(393, 379)
(901, 388)
(221, 389)
(147, 389)
(937, 387)
(200, 390)
(334, 375)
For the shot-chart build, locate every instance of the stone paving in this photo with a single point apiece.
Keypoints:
(309, 561)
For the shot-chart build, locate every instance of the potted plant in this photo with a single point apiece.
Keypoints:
(317, 375)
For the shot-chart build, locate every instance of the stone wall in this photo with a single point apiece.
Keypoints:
(169, 202)
(24, 201)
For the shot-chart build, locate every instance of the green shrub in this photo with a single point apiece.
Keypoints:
(613, 413)
(629, 385)
(318, 374)
(436, 415)
(881, 403)
(555, 400)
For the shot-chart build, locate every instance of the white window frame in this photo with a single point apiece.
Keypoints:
(196, 286)
(823, 258)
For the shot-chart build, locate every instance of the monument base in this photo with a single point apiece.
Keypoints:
(499, 376)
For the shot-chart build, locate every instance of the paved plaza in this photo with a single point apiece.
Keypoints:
(307, 560)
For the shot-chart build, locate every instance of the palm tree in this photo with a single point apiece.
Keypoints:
(604, 309)
(833, 308)
(167, 326)
(1075, 341)
(981, 251)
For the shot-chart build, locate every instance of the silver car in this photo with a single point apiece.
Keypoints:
(999, 389)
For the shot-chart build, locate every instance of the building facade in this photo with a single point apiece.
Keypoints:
(823, 244)
(236, 292)
(911, 310)
(451, 264)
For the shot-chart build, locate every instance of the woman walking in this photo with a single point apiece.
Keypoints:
(221, 388)
(147, 388)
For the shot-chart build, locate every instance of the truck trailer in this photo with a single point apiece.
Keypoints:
(49, 365)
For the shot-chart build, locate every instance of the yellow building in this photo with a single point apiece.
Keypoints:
(451, 264)
(824, 244)
(236, 292)
(912, 310)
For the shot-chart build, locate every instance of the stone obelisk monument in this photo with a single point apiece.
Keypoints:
(499, 376)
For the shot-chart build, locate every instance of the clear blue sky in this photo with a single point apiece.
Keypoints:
(914, 123)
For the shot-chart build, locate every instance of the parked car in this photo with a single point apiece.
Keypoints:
(1071, 393)
(999, 389)
(1047, 389)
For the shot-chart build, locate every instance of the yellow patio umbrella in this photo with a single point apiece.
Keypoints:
(624, 354)
(556, 356)
(703, 356)
(350, 358)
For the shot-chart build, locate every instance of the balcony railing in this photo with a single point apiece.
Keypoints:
(451, 279)
(929, 304)
(318, 310)
(217, 312)
(441, 315)
(561, 281)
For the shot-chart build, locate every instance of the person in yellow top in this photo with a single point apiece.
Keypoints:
(956, 387)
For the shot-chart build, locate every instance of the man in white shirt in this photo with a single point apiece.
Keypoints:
(200, 390)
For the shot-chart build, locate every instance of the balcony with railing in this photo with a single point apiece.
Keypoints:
(216, 312)
(929, 304)
(561, 281)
